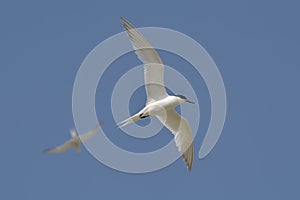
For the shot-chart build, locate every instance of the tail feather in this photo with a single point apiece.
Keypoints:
(77, 147)
(129, 121)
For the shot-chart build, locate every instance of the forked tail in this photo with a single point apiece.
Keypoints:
(130, 120)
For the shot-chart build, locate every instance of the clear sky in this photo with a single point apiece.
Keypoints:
(255, 45)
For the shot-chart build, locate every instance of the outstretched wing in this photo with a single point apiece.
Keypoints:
(61, 148)
(153, 66)
(182, 132)
(89, 134)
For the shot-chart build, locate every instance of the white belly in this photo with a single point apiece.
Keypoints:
(161, 105)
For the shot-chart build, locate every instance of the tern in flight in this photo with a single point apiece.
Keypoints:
(159, 103)
(74, 141)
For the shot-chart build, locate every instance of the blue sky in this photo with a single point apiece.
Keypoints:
(255, 45)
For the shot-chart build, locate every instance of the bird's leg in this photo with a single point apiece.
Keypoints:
(142, 116)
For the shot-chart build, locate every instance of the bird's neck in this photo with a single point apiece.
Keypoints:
(173, 101)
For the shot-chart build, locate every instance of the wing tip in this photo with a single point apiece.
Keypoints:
(189, 158)
(189, 164)
(47, 151)
(126, 24)
(99, 125)
(122, 18)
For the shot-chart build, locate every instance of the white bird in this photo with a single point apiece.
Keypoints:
(159, 103)
(74, 141)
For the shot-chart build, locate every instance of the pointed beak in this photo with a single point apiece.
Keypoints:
(190, 101)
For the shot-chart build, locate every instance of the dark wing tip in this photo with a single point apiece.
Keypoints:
(189, 159)
(190, 168)
(126, 24)
(100, 124)
(46, 151)
(123, 21)
(188, 164)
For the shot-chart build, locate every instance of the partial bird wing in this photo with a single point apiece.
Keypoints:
(61, 148)
(153, 66)
(89, 134)
(182, 132)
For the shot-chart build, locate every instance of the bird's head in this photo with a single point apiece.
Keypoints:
(183, 99)
(73, 133)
